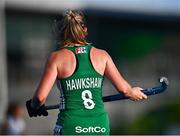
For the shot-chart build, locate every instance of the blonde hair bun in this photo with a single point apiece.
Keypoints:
(71, 28)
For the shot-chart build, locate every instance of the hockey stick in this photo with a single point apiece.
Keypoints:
(149, 91)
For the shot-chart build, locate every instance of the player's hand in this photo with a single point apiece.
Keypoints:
(136, 94)
(36, 112)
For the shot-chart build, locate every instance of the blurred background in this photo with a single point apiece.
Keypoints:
(142, 36)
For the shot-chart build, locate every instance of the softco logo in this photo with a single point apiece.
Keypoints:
(96, 129)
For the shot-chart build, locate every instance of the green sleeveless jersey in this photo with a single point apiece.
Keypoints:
(81, 107)
(83, 89)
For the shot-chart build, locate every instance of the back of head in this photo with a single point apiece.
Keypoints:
(71, 29)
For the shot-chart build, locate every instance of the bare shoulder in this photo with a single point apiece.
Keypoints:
(60, 56)
(100, 53)
(62, 53)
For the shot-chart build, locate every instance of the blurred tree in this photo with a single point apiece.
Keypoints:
(155, 122)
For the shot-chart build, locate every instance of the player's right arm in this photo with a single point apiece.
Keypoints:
(112, 73)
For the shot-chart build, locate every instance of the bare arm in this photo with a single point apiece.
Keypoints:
(121, 85)
(113, 74)
(47, 80)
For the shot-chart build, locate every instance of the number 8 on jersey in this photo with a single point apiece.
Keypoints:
(88, 102)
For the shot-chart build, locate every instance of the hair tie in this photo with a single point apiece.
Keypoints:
(71, 14)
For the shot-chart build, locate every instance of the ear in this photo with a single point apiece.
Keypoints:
(85, 29)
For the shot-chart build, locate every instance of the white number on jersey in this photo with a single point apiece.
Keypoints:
(88, 102)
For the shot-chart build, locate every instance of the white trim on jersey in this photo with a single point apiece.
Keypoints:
(62, 99)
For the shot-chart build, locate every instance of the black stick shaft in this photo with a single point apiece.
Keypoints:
(51, 107)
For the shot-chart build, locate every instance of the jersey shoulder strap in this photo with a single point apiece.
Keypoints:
(82, 54)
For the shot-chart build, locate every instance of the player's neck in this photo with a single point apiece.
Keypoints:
(77, 44)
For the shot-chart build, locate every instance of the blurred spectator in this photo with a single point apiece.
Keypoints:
(14, 123)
